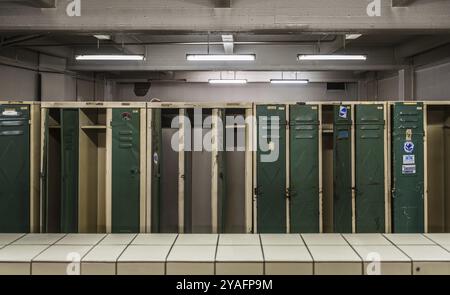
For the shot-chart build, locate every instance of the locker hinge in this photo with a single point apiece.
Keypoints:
(256, 192)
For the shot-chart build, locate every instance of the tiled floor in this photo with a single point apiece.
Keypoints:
(203, 254)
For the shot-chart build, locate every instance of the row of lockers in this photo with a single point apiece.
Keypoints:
(111, 167)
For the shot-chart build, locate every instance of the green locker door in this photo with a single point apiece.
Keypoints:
(342, 170)
(304, 169)
(14, 169)
(69, 170)
(369, 167)
(125, 170)
(156, 168)
(408, 170)
(271, 169)
(222, 181)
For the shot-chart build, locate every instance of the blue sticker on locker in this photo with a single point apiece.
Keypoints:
(409, 159)
(343, 112)
(408, 147)
(343, 134)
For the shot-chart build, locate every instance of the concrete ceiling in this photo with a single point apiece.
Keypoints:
(275, 30)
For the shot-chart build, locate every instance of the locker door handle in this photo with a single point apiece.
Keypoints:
(134, 171)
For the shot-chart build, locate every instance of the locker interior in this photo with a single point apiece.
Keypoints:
(232, 174)
(165, 171)
(79, 205)
(438, 172)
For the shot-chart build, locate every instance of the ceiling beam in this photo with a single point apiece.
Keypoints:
(222, 3)
(34, 3)
(103, 16)
(420, 45)
(401, 3)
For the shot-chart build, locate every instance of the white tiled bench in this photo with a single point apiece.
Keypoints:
(335, 259)
(59, 260)
(428, 259)
(101, 260)
(16, 259)
(236, 254)
(143, 260)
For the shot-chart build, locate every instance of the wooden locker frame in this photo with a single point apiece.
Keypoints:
(214, 167)
(107, 106)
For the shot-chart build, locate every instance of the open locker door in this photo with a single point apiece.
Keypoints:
(69, 170)
(156, 142)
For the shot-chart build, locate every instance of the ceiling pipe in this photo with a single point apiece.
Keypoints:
(221, 43)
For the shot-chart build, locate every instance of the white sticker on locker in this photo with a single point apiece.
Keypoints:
(408, 169)
(409, 159)
(9, 113)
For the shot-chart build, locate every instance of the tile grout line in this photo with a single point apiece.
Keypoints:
(360, 257)
(310, 254)
(168, 253)
(436, 243)
(124, 249)
(263, 256)
(397, 247)
(215, 254)
(89, 251)
(48, 247)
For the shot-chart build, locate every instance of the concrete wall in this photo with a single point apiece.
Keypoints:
(233, 93)
(23, 84)
(432, 82)
(18, 84)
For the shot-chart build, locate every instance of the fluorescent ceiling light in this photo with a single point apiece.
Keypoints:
(221, 57)
(109, 57)
(331, 57)
(103, 37)
(228, 81)
(352, 36)
(281, 81)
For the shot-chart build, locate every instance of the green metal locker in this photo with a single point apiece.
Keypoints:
(342, 170)
(271, 169)
(69, 170)
(156, 168)
(304, 169)
(125, 170)
(369, 167)
(222, 181)
(408, 168)
(14, 169)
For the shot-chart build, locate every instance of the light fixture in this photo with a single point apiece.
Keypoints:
(103, 37)
(289, 81)
(352, 36)
(331, 57)
(220, 57)
(110, 57)
(228, 81)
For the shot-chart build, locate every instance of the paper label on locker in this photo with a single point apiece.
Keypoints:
(408, 134)
(409, 159)
(408, 169)
(10, 113)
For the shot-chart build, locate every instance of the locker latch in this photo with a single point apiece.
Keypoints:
(288, 193)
